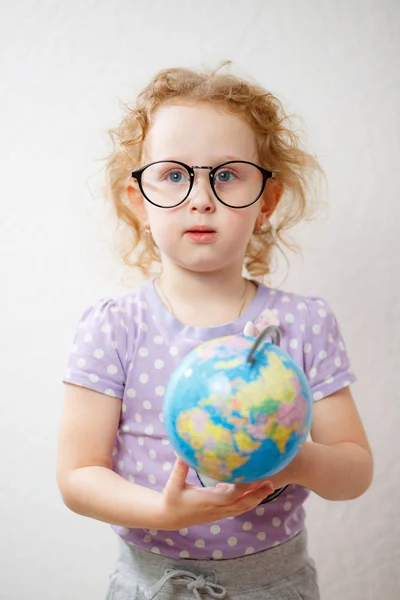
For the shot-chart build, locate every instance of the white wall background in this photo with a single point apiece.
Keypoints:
(63, 68)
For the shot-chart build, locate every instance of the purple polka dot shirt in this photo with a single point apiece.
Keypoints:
(127, 347)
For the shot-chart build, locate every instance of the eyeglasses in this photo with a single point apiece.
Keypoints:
(168, 183)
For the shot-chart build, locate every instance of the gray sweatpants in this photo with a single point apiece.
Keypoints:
(284, 572)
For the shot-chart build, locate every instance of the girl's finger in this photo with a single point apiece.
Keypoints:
(177, 478)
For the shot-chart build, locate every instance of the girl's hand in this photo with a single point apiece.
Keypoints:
(185, 505)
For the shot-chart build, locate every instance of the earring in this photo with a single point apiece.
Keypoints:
(266, 229)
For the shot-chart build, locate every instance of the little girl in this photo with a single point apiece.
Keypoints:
(201, 165)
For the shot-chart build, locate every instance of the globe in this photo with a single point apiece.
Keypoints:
(237, 409)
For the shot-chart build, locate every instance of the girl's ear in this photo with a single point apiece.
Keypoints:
(270, 200)
(136, 201)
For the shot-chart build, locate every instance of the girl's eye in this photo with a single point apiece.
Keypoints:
(176, 177)
(224, 176)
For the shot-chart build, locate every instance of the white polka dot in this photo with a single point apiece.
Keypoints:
(276, 544)
(81, 363)
(289, 318)
(330, 338)
(346, 383)
(114, 345)
(217, 554)
(232, 541)
(149, 430)
(139, 465)
(276, 522)
(261, 536)
(147, 539)
(302, 306)
(322, 354)
(260, 510)
(338, 361)
(285, 299)
(120, 464)
(312, 372)
(160, 390)
(112, 369)
(98, 353)
(329, 379)
(152, 453)
(200, 543)
(122, 322)
(173, 351)
(288, 531)
(155, 550)
(114, 452)
(152, 479)
(110, 392)
(341, 346)
(143, 327)
(183, 531)
(93, 377)
(123, 530)
(74, 349)
(153, 531)
(316, 329)
(131, 478)
(147, 404)
(322, 313)
(249, 550)
(247, 526)
(138, 418)
(169, 541)
(167, 466)
(273, 292)
(143, 304)
(318, 395)
(158, 339)
(293, 343)
(307, 348)
(159, 363)
(88, 337)
(302, 327)
(165, 442)
(143, 351)
(215, 529)
(126, 428)
(143, 378)
(161, 417)
(287, 506)
(131, 393)
(106, 328)
(184, 554)
(140, 441)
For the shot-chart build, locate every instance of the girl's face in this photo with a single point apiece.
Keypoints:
(199, 134)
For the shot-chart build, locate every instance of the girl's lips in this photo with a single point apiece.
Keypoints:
(205, 236)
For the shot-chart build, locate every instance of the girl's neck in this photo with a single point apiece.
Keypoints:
(204, 299)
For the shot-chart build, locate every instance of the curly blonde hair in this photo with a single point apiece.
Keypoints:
(279, 149)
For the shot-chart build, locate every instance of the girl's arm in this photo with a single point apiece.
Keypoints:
(338, 463)
(89, 486)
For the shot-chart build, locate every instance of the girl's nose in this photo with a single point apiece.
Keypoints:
(201, 197)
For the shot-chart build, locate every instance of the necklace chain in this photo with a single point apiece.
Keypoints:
(168, 303)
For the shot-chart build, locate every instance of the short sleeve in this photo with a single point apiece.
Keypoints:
(326, 362)
(98, 355)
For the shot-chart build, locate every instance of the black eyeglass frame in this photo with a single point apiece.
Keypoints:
(265, 175)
